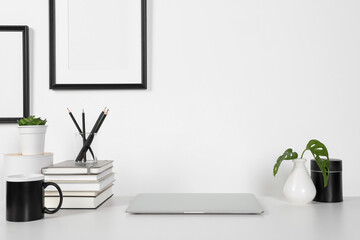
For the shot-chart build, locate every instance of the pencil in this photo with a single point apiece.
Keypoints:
(90, 138)
(83, 131)
(102, 120)
(74, 120)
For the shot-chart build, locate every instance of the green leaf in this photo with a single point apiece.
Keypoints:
(321, 155)
(287, 155)
(31, 121)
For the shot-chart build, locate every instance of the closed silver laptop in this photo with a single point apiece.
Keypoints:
(195, 203)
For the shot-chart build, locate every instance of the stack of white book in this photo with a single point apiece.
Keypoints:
(84, 185)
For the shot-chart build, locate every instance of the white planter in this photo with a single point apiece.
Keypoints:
(299, 188)
(32, 139)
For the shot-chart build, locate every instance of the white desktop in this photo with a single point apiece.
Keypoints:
(280, 221)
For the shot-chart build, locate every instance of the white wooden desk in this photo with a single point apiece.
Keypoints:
(280, 221)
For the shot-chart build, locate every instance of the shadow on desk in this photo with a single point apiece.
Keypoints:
(111, 203)
(117, 201)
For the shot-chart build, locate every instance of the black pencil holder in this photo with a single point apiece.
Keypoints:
(334, 191)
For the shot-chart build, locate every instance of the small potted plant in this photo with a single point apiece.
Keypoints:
(299, 187)
(32, 135)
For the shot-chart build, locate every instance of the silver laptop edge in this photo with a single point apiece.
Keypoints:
(195, 203)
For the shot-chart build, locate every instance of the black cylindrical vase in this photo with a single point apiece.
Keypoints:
(333, 192)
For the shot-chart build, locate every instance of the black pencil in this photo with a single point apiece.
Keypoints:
(83, 131)
(90, 138)
(74, 120)
(102, 120)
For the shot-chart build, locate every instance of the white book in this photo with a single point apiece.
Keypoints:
(93, 177)
(76, 193)
(79, 202)
(85, 186)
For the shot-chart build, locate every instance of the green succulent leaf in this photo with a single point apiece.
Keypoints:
(321, 155)
(287, 155)
(31, 121)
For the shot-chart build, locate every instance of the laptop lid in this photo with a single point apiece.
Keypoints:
(207, 203)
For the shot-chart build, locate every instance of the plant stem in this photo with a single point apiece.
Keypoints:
(303, 153)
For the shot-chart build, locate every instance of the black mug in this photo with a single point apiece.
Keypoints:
(25, 197)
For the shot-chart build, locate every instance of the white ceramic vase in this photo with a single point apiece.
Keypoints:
(32, 139)
(299, 188)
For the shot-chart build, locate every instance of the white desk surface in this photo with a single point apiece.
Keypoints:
(280, 221)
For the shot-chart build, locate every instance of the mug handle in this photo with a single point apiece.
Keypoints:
(45, 184)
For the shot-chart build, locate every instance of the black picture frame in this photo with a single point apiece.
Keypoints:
(52, 55)
(25, 66)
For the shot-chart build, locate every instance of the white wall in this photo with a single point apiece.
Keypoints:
(232, 84)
